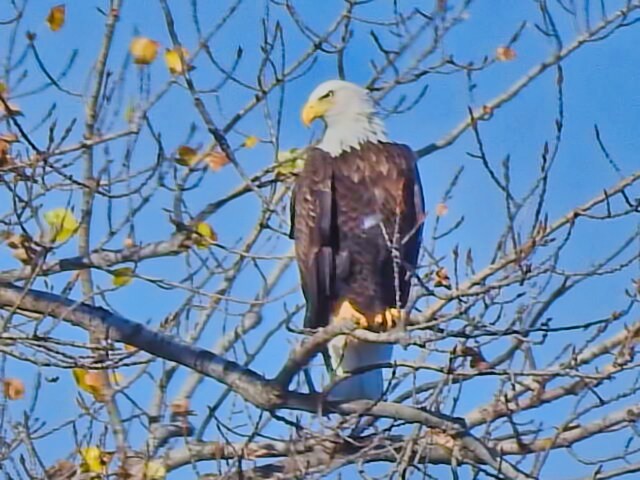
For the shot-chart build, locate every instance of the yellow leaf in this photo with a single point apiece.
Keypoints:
(216, 160)
(94, 460)
(62, 223)
(505, 54)
(94, 381)
(13, 388)
(143, 50)
(55, 19)
(130, 113)
(174, 63)
(3, 88)
(154, 470)
(250, 142)
(186, 155)
(84, 382)
(204, 236)
(122, 276)
(289, 162)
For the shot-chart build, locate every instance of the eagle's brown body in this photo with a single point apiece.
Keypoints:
(350, 213)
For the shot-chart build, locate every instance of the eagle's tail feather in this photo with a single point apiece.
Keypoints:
(348, 355)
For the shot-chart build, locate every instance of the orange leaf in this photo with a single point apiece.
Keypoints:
(5, 154)
(442, 278)
(56, 16)
(13, 388)
(442, 209)
(216, 160)
(143, 50)
(505, 54)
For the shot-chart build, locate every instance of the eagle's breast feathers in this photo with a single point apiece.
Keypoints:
(350, 213)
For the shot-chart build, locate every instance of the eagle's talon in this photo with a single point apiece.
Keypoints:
(381, 322)
(392, 317)
(347, 313)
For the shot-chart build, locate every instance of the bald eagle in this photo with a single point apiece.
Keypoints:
(357, 211)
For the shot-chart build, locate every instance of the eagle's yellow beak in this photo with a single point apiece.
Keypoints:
(314, 109)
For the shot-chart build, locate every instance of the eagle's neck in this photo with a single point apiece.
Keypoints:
(347, 132)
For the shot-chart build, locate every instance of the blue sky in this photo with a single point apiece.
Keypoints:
(600, 87)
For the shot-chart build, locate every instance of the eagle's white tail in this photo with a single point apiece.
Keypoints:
(348, 355)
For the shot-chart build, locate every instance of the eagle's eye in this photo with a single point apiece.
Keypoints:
(327, 95)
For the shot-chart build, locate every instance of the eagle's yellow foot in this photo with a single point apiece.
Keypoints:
(386, 320)
(347, 313)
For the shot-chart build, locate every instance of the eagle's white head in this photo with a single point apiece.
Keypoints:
(349, 114)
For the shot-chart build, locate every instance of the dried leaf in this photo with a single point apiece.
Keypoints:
(8, 137)
(94, 460)
(143, 50)
(477, 360)
(216, 160)
(11, 109)
(62, 224)
(22, 245)
(204, 236)
(22, 255)
(251, 141)
(62, 470)
(122, 276)
(442, 278)
(180, 407)
(479, 363)
(5, 154)
(56, 17)
(442, 209)
(186, 155)
(505, 54)
(174, 63)
(13, 388)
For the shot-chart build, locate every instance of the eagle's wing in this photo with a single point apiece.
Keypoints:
(314, 230)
